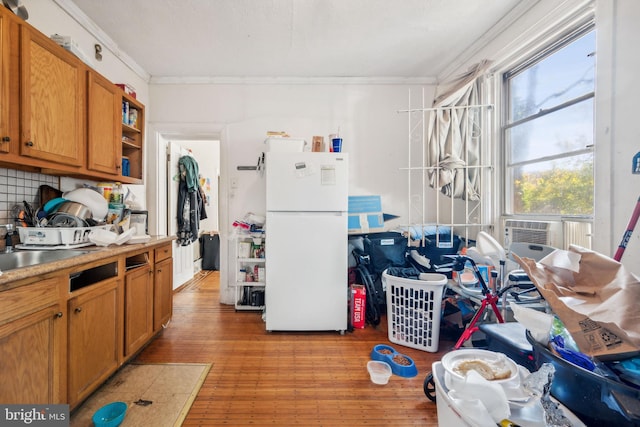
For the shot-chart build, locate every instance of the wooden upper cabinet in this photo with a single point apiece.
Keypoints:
(4, 86)
(9, 82)
(52, 101)
(103, 124)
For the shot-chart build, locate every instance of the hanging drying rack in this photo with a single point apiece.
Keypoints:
(476, 212)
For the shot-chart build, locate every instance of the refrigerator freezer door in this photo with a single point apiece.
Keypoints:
(306, 272)
(307, 181)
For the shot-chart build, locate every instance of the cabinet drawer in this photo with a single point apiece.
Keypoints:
(28, 298)
(163, 252)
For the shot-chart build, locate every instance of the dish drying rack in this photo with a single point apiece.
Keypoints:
(56, 237)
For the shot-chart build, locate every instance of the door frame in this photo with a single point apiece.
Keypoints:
(156, 182)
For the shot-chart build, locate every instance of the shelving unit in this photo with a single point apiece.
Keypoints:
(250, 273)
(132, 137)
(430, 165)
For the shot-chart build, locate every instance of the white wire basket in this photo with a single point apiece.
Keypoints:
(414, 309)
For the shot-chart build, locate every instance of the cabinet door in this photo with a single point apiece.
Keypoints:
(103, 121)
(4, 84)
(9, 82)
(30, 358)
(163, 293)
(138, 309)
(52, 101)
(93, 339)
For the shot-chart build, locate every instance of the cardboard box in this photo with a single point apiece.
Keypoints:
(289, 145)
(358, 303)
(128, 89)
(365, 214)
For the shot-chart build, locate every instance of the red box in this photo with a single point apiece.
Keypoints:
(358, 303)
(128, 89)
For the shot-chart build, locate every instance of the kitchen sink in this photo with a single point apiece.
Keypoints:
(29, 258)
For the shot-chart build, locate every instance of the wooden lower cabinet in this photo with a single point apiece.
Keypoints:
(94, 341)
(29, 350)
(60, 339)
(162, 289)
(138, 314)
(32, 340)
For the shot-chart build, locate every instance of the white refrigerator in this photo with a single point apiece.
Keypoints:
(306, 241)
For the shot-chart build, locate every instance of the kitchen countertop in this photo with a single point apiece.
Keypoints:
(94, 253)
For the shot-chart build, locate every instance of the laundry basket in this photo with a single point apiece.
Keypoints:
(414, 308)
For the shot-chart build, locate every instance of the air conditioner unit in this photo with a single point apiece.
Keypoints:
(540, 232)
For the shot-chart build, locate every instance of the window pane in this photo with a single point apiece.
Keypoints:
(562, 131)
(558, 187)
(567, 74)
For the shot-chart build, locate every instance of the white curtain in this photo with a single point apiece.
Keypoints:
(453, 137)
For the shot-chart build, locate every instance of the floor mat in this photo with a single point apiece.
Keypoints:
(156, 394)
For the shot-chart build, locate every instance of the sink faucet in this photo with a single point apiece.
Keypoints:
(8, 238)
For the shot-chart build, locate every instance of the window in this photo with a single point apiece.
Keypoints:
(548, 130)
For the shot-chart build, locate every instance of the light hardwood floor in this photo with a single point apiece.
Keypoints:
(285, 378)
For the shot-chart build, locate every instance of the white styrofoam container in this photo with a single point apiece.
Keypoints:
(291, 145)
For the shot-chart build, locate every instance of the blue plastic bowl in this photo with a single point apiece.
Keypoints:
(110, 415)
(386, 353)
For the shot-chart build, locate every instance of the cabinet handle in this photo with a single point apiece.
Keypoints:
(59, 314)
(29, 143)
(6, 139)
(78, 309)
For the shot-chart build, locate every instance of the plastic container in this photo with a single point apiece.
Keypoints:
(106, 188)
(117, 194)
(509, 338)
(401, 364)
(414, 309)
(110, 415)
(450, 414)
(380, 372)
(595, 399)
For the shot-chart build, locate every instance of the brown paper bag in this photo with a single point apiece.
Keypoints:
(594, 296)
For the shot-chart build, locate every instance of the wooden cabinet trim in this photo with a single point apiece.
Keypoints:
(28, 299)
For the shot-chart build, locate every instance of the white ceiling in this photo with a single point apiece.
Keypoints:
(299, 38)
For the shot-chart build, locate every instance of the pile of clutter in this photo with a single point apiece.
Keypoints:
(250, 223)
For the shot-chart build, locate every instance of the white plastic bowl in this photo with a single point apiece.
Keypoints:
(380, 372)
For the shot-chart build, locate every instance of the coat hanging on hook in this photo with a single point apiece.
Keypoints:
(191, 207)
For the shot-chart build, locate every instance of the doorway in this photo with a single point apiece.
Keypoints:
(206, 151)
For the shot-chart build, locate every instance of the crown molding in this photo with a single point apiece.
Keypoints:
(85, 22)
(204, 80)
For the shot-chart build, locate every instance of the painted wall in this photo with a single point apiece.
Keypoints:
(617, 131)
(375, 135)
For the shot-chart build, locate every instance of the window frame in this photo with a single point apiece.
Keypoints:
(533, 57)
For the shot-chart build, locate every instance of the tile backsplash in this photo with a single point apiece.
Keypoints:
(18, 186)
